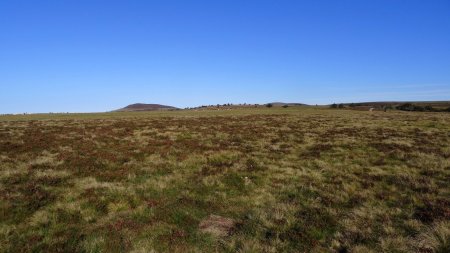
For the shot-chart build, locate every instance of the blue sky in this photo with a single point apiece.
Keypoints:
(88, 55)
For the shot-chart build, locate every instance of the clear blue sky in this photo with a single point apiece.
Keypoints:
(88, 55)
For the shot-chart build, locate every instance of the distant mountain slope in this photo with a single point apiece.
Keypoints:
(145, 107)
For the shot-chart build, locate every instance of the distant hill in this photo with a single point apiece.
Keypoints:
(437, 104)
(397, 103)
(145, 107)
(230, 106)
(288, 104)
(422, 106)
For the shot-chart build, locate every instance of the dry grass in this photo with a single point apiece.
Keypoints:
(291, 180)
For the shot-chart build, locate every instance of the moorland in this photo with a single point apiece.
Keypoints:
(296, 179)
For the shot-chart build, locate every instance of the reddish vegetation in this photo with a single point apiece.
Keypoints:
(293, 180)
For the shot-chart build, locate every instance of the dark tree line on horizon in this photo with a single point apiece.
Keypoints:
(403, 107)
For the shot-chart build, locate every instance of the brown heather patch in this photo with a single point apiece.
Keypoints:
(294, 180)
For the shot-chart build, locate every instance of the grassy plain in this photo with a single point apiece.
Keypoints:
(293, 179)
